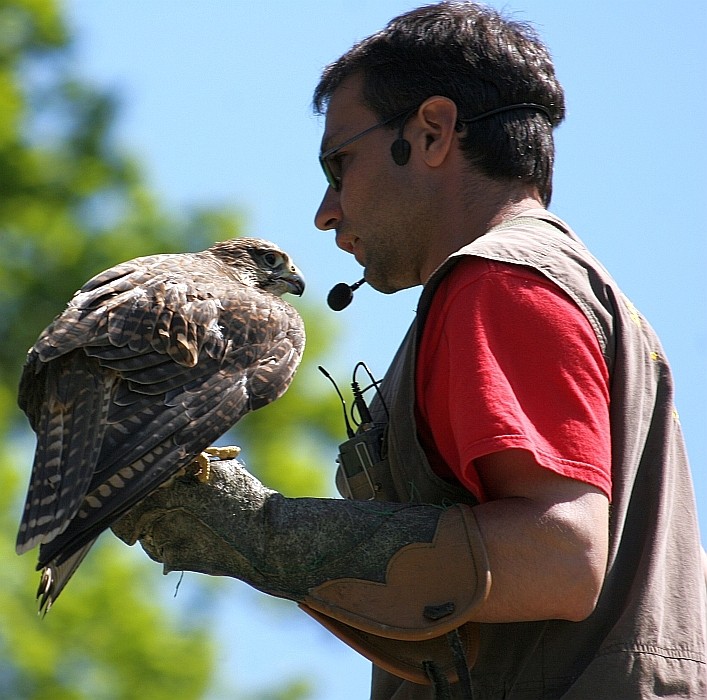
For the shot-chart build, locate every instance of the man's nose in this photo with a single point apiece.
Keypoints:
(328, 215)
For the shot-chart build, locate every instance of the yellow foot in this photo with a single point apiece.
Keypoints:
(202, 462)
(200, 467)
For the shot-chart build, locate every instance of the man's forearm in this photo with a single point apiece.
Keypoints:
(547, 562)
(543, 564)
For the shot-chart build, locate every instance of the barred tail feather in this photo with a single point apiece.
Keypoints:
(70, 430)
(42, 519)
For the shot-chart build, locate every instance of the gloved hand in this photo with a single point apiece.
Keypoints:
(390, 579)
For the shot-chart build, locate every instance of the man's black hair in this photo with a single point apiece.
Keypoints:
(480, 60)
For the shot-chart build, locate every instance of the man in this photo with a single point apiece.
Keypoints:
(532, 531)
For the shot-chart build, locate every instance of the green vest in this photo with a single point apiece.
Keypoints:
(646, 637)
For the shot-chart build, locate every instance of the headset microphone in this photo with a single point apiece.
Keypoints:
(341, 295)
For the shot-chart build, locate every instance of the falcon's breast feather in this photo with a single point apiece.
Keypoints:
(150, 363)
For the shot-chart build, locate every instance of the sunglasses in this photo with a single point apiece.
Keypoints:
(330, 165)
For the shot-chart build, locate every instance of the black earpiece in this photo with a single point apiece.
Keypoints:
(400, 150)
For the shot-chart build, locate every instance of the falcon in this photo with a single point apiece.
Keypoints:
(149, 364)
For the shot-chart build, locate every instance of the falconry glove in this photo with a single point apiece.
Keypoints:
(391, 580)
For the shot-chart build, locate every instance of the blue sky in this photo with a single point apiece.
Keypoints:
(215, 102)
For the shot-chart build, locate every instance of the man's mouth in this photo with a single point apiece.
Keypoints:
(347, 243)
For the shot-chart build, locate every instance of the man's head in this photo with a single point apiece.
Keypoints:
(479, 60)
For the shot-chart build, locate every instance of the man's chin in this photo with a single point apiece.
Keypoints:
(385, 286)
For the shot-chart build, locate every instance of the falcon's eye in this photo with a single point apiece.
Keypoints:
(271, 259)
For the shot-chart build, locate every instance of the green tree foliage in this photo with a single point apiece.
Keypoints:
(105, 639)
(71, 205)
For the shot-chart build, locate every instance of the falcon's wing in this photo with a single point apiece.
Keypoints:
(173, 366)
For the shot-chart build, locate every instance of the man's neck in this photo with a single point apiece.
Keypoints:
(512, 209)
(475, 219)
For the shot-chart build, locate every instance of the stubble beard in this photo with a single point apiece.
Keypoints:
(388, 270)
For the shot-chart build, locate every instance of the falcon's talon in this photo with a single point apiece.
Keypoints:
(203, 470)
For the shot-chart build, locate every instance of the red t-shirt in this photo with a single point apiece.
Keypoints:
(508, 361)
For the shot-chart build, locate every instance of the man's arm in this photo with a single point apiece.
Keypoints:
(547, 539)
(390, 579)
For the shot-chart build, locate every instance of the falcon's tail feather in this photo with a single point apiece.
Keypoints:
(56, 576)
(70, 427)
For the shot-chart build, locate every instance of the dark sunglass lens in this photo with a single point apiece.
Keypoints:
(333, 180)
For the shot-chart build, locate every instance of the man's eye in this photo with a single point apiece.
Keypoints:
(335, 163)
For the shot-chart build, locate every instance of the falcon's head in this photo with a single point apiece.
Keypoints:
(260, 263)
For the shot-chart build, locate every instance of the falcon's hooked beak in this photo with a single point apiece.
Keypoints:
(288, 279)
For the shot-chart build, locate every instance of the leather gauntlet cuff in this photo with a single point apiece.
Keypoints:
(431, 589)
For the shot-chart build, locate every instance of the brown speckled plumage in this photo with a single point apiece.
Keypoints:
(151, 361)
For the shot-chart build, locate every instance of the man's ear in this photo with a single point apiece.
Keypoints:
(436, 121)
